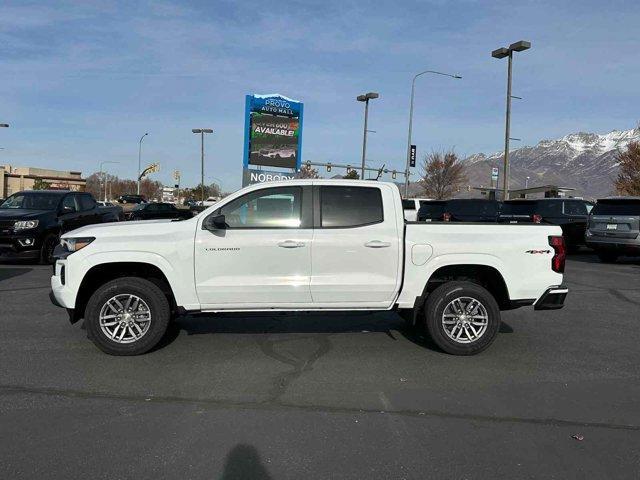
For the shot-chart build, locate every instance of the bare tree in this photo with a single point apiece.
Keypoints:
(307, 171)
(628, 181)
(442, 174)
(120, 186)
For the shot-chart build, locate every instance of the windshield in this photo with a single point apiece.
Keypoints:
(617, 207)
(32, 201)
(518, 208)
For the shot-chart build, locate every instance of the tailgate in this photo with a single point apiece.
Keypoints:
(614, 226)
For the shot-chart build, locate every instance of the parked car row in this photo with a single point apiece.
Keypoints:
(611, 227)
(32, 221)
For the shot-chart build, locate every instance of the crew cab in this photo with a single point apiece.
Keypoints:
(31, 221)
(303, 245)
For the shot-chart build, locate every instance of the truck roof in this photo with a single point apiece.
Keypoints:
(58, 192)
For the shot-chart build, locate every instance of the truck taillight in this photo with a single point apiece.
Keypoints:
(536, 218)
(446, 217)
(560, 253)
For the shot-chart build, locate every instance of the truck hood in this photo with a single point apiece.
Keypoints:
(22, 213)
(121, 229)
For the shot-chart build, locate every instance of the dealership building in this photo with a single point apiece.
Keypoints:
(15, 179)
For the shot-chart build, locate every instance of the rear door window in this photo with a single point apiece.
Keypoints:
(574, 207)
(350, 206)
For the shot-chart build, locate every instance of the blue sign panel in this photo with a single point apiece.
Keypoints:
(272, 131)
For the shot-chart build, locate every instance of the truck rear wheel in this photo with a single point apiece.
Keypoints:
(462, 318)
(127, 316)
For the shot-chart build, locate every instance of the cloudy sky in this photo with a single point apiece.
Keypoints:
(80, 82)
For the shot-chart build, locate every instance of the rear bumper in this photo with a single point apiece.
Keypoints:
(552, 298)
(621, 245)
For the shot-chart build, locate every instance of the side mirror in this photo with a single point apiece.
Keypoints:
(215, 222)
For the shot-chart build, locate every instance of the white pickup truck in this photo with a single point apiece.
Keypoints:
(305, 245)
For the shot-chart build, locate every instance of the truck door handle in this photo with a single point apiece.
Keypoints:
(377, 244)
(290, 244)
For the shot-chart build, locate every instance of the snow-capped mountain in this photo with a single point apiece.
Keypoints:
(585, 161)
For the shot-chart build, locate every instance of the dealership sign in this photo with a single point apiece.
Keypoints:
(251, 176)
(272, 132)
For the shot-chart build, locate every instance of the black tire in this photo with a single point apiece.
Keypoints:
(441, 297)
(150, 293)
(607, 257)
(46, 250)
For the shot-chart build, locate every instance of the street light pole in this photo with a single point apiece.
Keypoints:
(139, 157)
(365, 98)
(502, 53)
(104, 177)
(413, 88)
(507, 131)
(202, 131)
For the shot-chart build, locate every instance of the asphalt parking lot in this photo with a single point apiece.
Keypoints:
(326, 396)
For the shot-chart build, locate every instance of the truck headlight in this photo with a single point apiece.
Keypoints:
(25, 225)
(75, 244)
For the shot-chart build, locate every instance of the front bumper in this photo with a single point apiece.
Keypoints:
(19, 247)
(62, 295)
(552, 298)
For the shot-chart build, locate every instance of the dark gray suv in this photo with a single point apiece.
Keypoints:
(614, 228)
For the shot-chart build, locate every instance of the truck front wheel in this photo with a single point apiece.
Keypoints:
(462, 318)
(127, 316)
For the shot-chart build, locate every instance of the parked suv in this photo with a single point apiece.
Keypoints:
(614, 228)
(432, 211)
(31, 221)
(569, 213)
